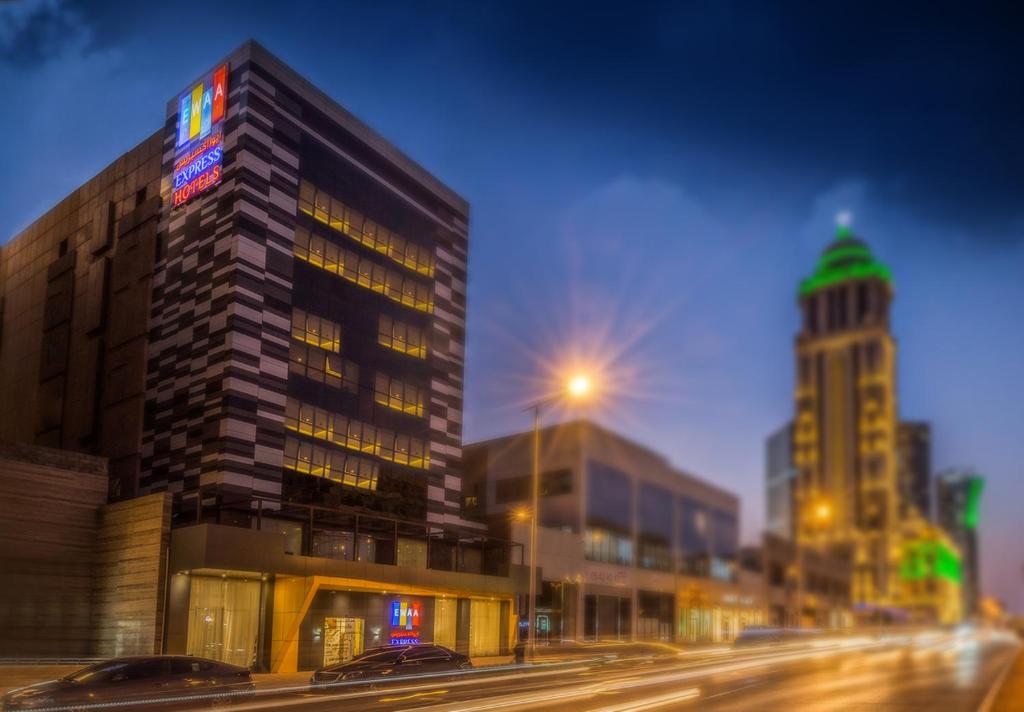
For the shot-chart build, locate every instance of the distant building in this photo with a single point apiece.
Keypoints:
(845, 418)
(780, 482)
(957, 499)
(801, 588)
(914, 470)
(629, 547)
(931, 574)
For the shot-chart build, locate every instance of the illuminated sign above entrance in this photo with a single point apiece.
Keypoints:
(199, 146)
(405, 622)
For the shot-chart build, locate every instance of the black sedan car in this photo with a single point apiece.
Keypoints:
(174, 681)
(392, 661)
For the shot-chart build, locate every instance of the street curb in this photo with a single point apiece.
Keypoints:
(997, 686)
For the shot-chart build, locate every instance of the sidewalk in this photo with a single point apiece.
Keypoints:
(1011, 695)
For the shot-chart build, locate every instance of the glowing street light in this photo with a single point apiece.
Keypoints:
(578, 387)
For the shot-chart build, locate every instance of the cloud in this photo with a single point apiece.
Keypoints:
(32, 32)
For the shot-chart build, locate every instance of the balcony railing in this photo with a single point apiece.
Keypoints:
(350, 534)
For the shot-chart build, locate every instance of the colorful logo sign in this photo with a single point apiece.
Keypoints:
(405, 622)
(199, 148)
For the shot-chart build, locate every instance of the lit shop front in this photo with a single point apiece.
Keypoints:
(228, 617)
(715, 612)
(245, 596)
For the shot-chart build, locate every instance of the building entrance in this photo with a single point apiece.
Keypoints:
(607, 617)
(343, 639)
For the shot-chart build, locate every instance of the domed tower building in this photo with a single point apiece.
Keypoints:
(844, 441)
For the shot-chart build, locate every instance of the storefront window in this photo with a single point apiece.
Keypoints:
(223, 619)
(445, 616)
(343, 639)
(484, 628)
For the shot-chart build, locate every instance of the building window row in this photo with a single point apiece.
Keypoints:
(332, 212)
(399, 395)
(323, 366)
(396, 286)
(356, 435)
(316, 330)
(402, 337)
(350, 470)
(608, 547)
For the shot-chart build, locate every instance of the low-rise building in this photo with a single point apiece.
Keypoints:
(802, 586)
(930, 574)
(629, 547)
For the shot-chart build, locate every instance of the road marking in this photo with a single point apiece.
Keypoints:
(650, 703)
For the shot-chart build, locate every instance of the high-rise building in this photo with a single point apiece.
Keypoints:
(957, 501)
(261, 310)
(780, 482)
(844, 437)
(914, 450)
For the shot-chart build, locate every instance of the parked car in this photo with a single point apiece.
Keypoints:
(393, 660)
(169, 678)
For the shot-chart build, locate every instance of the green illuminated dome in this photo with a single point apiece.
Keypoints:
(847, 258)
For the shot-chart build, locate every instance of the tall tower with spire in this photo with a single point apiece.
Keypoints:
(844, 439)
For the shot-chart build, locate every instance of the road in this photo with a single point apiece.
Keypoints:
(925, 672)
(928, 671)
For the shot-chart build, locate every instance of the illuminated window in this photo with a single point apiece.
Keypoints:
(323, 367)
(350, 470)
(401, 337)
(337, 215)
(356, 435)
(398, 395)
(316, 330)
(397, 287)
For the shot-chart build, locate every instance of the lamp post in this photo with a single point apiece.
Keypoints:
(577, 388)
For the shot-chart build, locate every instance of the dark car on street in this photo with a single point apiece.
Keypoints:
(392, 661)
(174, 681)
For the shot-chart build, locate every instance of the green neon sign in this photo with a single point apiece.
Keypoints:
(974, 489)
(930, 559)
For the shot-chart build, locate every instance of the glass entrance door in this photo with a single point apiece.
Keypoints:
(343, 639)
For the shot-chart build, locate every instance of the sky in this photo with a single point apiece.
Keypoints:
(648, 183)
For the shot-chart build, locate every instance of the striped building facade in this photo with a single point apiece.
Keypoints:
(308, 317)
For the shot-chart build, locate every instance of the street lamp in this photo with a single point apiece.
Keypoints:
(577, 387)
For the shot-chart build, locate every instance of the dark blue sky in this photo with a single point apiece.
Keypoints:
(648, 181)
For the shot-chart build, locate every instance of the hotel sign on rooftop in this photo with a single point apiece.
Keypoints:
(199, 147)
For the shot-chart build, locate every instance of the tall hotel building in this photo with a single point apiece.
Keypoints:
(259, 314)
(845, 422)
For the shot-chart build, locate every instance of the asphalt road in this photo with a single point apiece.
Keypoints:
(924, 672)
